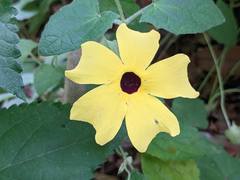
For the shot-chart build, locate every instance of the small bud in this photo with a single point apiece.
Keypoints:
(233, 134)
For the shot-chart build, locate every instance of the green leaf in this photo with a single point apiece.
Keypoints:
(46, 78)
(226, 33)
(188, 145)
(183, 17)
(191, 112)
(26, 46)
(220, 166)
(39, 141)
(6, 11)
(135, 175)
(73, 25)
(10, 79)
(156, 169)
(111, 45)
(129, 6)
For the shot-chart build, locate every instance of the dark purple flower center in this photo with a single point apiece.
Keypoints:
(130, 82)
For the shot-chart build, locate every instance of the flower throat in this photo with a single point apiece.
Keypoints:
(130, 82)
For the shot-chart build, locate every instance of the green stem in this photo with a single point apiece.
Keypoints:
(6, 96)
(34, 59)
(124, 155)
(126, 163)
(129, 174)
(165, 39)
(215, 82)
(120, 10)
(222, 103)
(168, 45)
(136, 14)
(207, 77)
(221, 62)
(117, 21)
(236, 5)
(232, 3)
(235, 67)
(130, 18)
(216, 95)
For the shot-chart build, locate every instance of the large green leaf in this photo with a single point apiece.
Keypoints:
(183, 17)
(39, 141)
(156, 169)
(188, 145)
(221, 166)
(43, 82)
(191, 112)
(226, 33)
(74, 24)
(10, 79)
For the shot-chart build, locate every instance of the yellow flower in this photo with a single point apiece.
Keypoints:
(129, 86)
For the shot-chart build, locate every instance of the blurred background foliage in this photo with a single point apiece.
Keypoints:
(37, 141)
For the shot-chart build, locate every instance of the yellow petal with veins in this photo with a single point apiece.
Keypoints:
(137, 49)
(146, 117)
(104, 108)
(169, 78)
(98, 65)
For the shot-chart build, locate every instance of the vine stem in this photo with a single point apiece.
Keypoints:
(120, 10)
(235, 67)
(125, 157)
(227, 91)
(233, 70)
(207, 77)
(220, 81)
(130, 18)
(220, 62)
(170, 41)
(236, 5)
(135, 15)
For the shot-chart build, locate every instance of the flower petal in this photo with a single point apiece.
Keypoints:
(146, 117)
(104, 108)
(98, 65)
(137, 49)
(169, 78)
